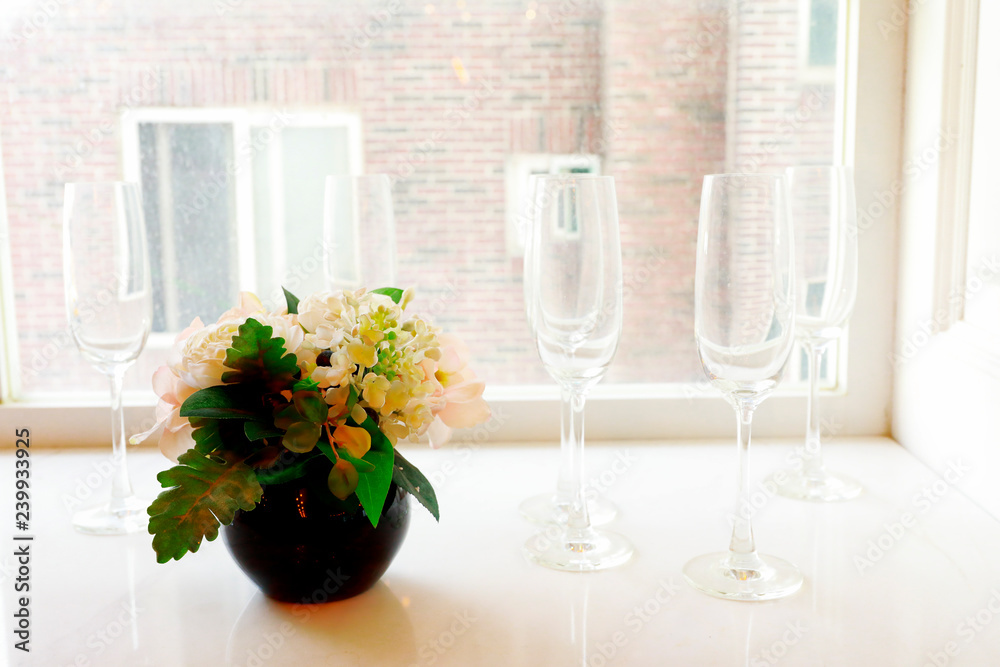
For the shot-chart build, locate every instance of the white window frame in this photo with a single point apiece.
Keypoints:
(871, 75)
(948, 382)
(242, 122)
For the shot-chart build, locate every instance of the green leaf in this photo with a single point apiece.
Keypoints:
(306, 384)
(207, 434)
(352, 397)
(292, 301)
(285, 473)
(311, 406)
(408, 478)
(327, 450)
(373, 487)
(301, 437)
(393, 293)
(360, 464)
(201, 493)
(220, 402)
(260, 430)
(256, 357)
(342, 480)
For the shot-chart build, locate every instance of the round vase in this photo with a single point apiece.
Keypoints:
(300, 544)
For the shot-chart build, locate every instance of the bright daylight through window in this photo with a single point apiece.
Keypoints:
(231, 112)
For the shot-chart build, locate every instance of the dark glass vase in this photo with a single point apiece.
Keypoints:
(300, 544)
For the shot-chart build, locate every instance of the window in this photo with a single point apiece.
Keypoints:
(442, 99)
(233, 201)
(819, 23)
(518, 172)
(947, 354)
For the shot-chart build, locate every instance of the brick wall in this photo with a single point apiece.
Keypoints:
(445, 93)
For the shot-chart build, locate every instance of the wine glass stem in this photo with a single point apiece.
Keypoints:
(564, 486)
(121, 487)
(812, 460)
(742, 550)
(579, 516)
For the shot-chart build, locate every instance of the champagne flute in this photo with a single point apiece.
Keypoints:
(359, 232)
(573, 266)
(826, 273)
(109, 303)
(744, 316)
(546, 508)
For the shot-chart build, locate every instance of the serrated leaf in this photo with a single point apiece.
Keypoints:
(305, 384)
(393, 293)
(220, 402)
(373, 487)
(207, 435)
(201, 494)
(285, 473)
(410, 479)
(291, 301)
(260, 430)
(256, 357)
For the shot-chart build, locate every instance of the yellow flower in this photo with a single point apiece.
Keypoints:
(354, 439)
(363, 355)
(374, 388)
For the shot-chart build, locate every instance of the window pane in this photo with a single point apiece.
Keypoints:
(188, 202)
(295, 184)
(823, 33)
(661, 92)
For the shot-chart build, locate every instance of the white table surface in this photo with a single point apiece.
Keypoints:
(460, 593)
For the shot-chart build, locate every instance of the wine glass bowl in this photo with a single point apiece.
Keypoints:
(744, 319)
(826, 267)
(573, 334)
(109, 309)
(574, 300)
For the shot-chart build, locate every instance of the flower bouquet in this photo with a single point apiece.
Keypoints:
(330, 384)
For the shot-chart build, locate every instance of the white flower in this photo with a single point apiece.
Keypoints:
(199, 360)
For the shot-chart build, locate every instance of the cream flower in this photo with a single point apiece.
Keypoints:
(200, 361)
(374, 388)
(333, 375)
(197, 361)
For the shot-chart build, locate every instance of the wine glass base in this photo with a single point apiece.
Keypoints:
(825, 488)
(543, 509)
(600, 550)
(128, 517)
(712, 574)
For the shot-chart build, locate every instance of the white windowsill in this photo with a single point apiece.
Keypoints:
(911, 601)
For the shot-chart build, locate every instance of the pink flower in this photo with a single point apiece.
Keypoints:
(250, 304)
(457, 393)
(176, 437)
